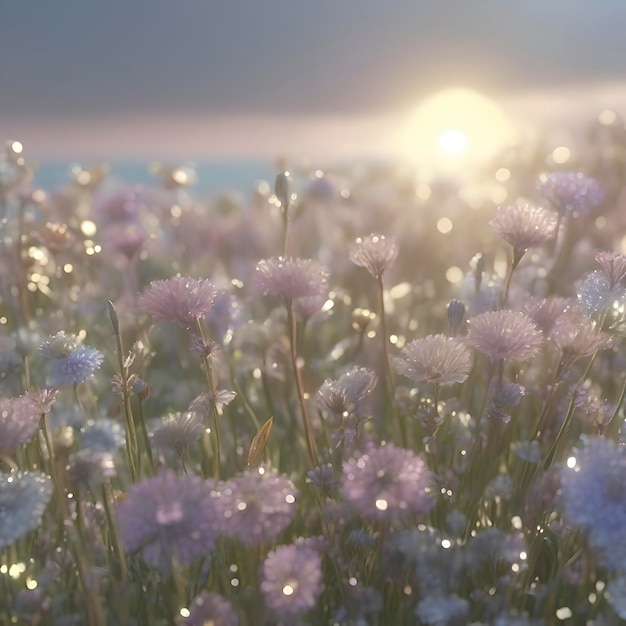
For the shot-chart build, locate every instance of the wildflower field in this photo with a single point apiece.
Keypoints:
(347, 399)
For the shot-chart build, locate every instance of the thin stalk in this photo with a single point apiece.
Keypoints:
(215, 409)
(293, 340)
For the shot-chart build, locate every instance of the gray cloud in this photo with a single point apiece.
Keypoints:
(71, 57)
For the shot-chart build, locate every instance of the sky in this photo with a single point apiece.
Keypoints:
(132, 78)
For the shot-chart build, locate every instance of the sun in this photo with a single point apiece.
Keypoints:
(455, 127)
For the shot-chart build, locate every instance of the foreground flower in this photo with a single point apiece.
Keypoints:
(292, 581)
(376, 253)
(209, 609)
(593, 494)
(571, 192)
(23, 500)
(576, 337)
(258, 505)
(290, 278)
(179, 300)
(169, 519)
(176, 432)
(19, 420)
(387, 482)
(504, 335)
(434, 359)
(524, 225)
(68, 362)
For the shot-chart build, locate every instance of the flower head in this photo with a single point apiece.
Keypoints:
(545, 311)
(436, 359)
(211, 609)
(258, 505)
(103, 435)
(614, 266)
(576, 337)
(571, 192)
(524, 225)
(596, 293)
(290, 278)
(179, 300)
(19, 421)
(23, 500)
(68, 361)
(504, 335)
(376, 253)
(593, 492)
(169, 517)
(387, 482)
(176, 432)
(291, 581)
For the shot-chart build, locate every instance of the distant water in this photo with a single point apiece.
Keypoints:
(212, 177)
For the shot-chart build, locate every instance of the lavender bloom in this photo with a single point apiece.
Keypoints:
(23, 500)
(456, 316)
(546, 311)
(209, 609)
(127, 239)
(576, 337)
(19, 421)
(594, 497)
(69, 362)
(614, 266)
(121, 205)
(291, 581)
(179, 300)
(344, 400)
(170, 518)
(524, 225)
(435, 359)
(449, 611)
(176, 432)
(376, 253)
(504, 335)
(504, 400)
(290, 278)
(571, 192)
(596, 294)
(387, 482)
(258, 505)
(323, 477)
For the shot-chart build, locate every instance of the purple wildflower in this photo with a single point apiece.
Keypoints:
(121, 205)
(209, 609)
(23, 500)
(170, 518)
(68, 361)
(290, 278)
(258, 505)
(614, 266)
(594, 497)
(90, 468)
(176, 432)
(386, 482)
(571, 192)
(179, 300)
(576, 337)
(19, 421)
(291, 581)
(103, 435)
(324, 478)
(435, 359)
(345, 400)
(504, 335)
(545, 311)
(375, 253)
(524, 225)
(127, 238)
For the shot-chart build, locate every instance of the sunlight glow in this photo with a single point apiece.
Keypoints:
(454, 128)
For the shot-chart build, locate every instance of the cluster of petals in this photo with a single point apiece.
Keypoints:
(387, 482)
(504, 335)
(524, 225)
(435, 359)
(290, 278)
(179, 300)
(375, 253)
(571, 192)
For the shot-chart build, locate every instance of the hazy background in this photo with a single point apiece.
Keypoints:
(139, 79)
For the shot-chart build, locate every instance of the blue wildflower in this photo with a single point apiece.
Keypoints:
(69, 362)
(594, 497)
(23, 500)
